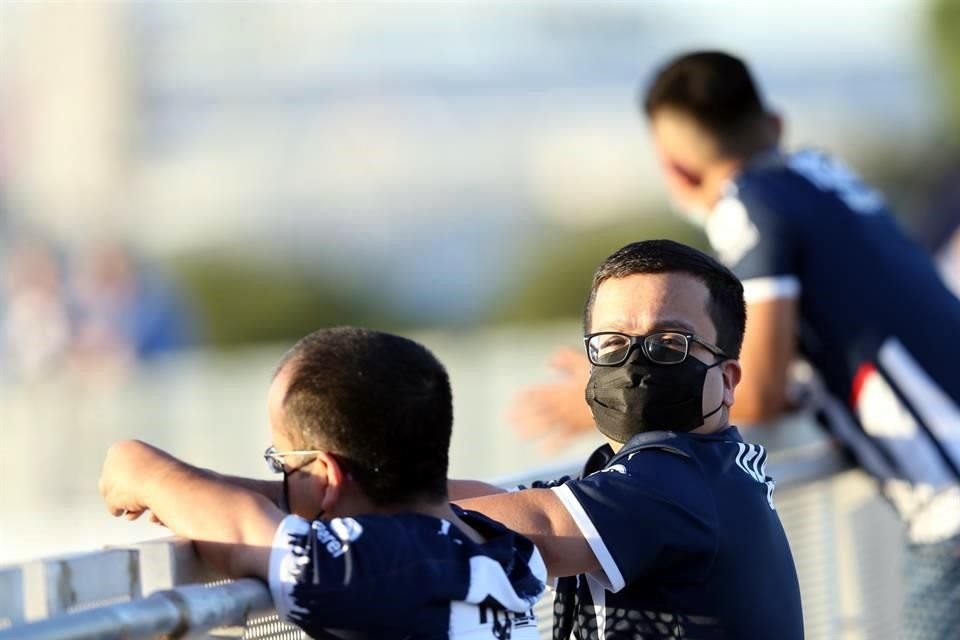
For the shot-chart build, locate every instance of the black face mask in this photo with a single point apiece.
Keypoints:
(640, 395)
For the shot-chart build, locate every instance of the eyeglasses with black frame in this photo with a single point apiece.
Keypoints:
(274, 458)
(612, 348)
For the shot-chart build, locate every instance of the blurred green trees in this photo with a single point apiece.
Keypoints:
(557, 277)
(945, 29)
(243, 300)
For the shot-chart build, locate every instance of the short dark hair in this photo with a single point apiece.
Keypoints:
(726, 307)
(716, 89)
(380, 403)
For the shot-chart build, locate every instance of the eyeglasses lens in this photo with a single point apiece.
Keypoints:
(666, 348)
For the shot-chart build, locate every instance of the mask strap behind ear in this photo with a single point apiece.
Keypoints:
(284, 503)
(719, 406)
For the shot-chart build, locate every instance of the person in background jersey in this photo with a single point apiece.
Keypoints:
(828, 276)
(671, 530)
(371, 548)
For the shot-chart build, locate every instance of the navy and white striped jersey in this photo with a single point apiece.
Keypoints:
(406, 576)
(688, 540)
(876, 322)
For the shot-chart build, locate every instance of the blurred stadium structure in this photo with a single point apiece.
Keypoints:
(263, 169)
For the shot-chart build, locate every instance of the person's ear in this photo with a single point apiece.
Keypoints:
(328, 477)
(731, 372)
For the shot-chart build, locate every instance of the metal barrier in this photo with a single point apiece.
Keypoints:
(850, 582)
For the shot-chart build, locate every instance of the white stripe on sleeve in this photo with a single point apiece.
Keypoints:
(937, 410)
(770, 288)
(612, 579)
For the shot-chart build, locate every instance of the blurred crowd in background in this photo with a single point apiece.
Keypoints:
(100, 311)
(212, 176)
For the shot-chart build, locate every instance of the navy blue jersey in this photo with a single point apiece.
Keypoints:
(875, 320)
(688, 540)
(406, 576)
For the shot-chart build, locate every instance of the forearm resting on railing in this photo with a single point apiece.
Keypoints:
(232, 526)
(539, 515)
(271, 489)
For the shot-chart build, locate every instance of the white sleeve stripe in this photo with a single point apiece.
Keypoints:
(592, 536)
(770, 288)
(937, 410)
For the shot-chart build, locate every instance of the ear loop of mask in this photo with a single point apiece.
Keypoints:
(284, 497)
(719, 406)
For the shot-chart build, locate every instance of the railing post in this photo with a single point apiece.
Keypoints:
(68, 583)
(11, 597)
(170, 562)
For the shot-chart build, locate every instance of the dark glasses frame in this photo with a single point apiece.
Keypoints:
(643, 341)
(274, 458)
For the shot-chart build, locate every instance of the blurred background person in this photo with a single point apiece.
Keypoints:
(34, 315)
(124, 311)
(827, 275)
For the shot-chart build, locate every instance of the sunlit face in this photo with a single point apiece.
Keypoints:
(684, 152)
(300, 487)
(643, 303)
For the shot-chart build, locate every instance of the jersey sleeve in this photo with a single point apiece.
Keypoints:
(391, 574)
(331, 574)
(649, 517)
(758, 243)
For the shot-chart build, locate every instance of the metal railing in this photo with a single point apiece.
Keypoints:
(849, 583)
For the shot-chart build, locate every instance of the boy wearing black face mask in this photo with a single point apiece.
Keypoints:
(671, 531)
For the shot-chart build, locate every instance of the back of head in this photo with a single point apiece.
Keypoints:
(380, 403)
(714, 88)
(727, 308)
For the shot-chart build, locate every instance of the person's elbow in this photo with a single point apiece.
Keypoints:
(242, 547)
(564, 552)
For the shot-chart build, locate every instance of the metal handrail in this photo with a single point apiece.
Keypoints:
(170, 613)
